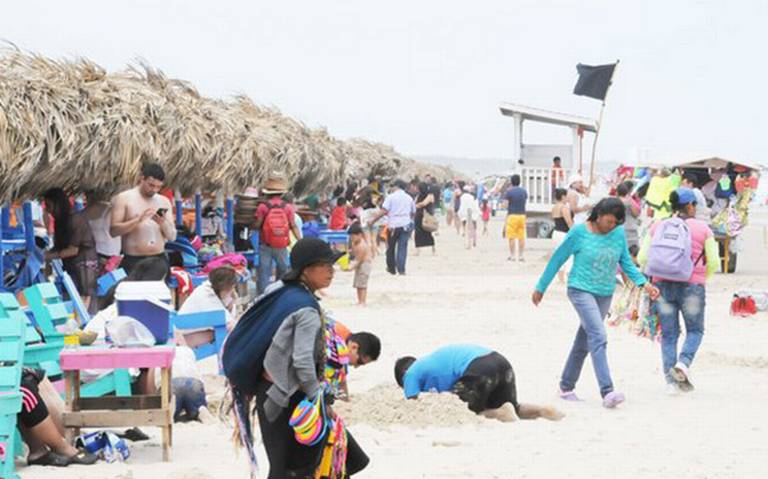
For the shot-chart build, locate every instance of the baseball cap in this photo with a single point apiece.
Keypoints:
(685, 196)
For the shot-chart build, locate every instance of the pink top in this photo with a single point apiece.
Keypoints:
(699, 234)
(113, 358)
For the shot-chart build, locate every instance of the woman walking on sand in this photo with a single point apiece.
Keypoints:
(425, 202)
(598, 246)
(680, 254)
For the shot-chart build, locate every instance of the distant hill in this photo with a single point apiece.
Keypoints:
(469, 166)
(480, 167)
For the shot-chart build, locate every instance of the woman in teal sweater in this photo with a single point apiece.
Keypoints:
(598, 247)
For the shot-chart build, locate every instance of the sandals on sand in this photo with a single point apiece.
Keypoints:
(50, 458)
(134, 434)
(83, 458)
(569, 396)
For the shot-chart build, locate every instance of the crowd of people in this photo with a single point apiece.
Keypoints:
(290, 356)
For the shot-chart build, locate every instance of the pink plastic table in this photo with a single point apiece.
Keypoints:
(139, 410)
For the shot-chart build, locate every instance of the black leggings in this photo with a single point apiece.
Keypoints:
(289, 459)
(487, 383)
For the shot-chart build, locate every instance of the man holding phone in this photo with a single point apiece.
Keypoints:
(140, 216)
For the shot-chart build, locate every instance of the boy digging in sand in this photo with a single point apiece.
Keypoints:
(362, 264)
(482, 378)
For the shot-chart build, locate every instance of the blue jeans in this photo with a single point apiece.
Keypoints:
(397, 249)
(676, 298)
(267, 255)
(590, 339)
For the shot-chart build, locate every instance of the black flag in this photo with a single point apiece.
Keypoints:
(594, 81)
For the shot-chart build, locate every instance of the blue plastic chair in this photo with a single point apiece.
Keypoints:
(215, 320)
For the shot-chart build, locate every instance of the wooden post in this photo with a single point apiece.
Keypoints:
(165, 391)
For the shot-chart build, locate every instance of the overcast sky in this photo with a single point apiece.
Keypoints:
(427, 76)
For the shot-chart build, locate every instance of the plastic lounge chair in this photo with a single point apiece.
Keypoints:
(12, 358)
(49, 310)
(216, 320)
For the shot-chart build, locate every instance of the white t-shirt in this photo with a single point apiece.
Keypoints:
(204, 298)
(106, 245)
(468, 208)
(400, 209)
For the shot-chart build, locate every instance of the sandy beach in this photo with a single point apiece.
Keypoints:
(718, 431)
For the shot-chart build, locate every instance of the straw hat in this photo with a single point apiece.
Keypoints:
(275, 185)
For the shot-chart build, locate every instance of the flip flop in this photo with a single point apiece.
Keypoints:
(83, 458)
(569, 396)
(50, 458)
(134, 434)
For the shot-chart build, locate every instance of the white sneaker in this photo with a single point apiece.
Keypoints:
(680, 374)
(672, 390)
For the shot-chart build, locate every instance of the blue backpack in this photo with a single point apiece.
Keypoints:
(246, 346)
(669, 256)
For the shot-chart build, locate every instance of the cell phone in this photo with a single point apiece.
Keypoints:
(161, 211)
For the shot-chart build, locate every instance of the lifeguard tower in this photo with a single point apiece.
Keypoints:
(534, 162)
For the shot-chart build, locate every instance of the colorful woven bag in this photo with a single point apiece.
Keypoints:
(308, 421)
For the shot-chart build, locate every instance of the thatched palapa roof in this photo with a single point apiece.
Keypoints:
(71, 124)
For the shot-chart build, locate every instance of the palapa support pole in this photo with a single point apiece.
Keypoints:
(6, 218)
(179, 209)
(599, 127)
(29, 227)
(198, 214)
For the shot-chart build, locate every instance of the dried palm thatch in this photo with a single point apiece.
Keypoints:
(71, 124)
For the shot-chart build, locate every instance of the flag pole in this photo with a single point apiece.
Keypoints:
(597, 130)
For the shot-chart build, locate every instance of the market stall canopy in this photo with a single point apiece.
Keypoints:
(698, 161)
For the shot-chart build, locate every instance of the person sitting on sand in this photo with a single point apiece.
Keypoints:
(481, 377)
(41, 424)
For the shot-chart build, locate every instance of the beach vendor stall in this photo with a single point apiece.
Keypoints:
(727, 187)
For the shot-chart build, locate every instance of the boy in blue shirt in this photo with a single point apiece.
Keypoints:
(481, 377)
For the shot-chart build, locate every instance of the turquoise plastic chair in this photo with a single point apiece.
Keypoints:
(39, 353)
(44, 342)
(11, 358)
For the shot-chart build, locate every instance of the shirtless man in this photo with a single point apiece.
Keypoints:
(143, 218)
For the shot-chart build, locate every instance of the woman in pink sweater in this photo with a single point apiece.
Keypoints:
(682, 296)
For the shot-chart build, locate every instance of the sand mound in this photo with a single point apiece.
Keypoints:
(384, 405)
